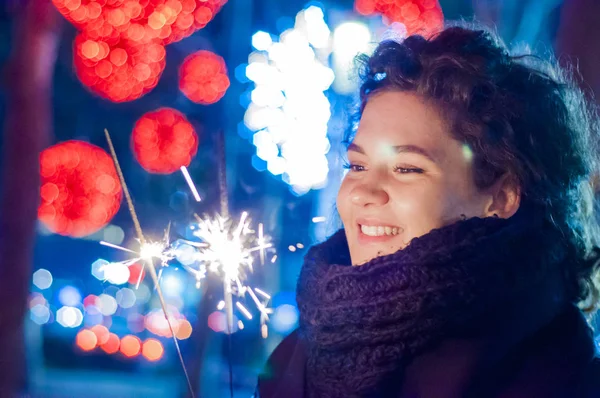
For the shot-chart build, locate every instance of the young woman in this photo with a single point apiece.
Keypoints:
(469, 235)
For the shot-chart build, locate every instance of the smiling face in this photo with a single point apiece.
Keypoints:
(406, 176)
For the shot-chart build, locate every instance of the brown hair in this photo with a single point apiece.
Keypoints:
(520, 115)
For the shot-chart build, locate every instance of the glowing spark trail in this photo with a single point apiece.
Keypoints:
(148, 252)
(190, 183)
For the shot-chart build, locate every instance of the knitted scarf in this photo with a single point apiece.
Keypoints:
(363, 324)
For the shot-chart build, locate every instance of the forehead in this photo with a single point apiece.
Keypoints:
(400, 118)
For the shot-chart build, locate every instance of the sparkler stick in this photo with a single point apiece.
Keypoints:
(148, 260)
(227, 294)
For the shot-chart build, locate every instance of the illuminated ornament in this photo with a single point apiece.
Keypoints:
(203, 77)
(163, 141)
(121, 72)
(162, 21)
(423, 17)
(80, 189)
(173, 20)
(289, 110)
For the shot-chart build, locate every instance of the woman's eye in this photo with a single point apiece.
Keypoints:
(408, 170)
(354, 167)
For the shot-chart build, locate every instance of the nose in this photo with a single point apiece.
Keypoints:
(370, 193)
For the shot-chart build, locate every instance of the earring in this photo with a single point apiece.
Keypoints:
(496, 215)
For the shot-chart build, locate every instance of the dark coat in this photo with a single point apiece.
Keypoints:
(559, 361)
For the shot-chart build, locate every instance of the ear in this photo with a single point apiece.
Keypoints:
(505, 197)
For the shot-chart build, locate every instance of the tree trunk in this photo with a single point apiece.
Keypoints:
(26, 132)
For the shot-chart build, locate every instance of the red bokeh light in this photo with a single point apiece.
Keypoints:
(131, 346)
(119, 72)
(86, 340)
(112, 344)
(422, 17)
(152, 349)
(134, 273)
(161, 21)
(156, 323)
(102, 334)
(203, 77)
(163, 141)
(80, 189)
(184, 329)
(119, 53)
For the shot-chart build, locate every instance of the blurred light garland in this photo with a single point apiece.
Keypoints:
(289, 110)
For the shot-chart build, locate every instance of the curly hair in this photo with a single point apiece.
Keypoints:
(521, 116)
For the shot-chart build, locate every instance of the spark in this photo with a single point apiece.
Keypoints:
(265, 295)
(243, 310)
(227, 250)
(190, 183)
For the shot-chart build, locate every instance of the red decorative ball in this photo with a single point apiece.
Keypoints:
(80, 191)
(423, 17)
(163, 141)
(203, 77)
(120, 72)
(162, 21)
(177, 19)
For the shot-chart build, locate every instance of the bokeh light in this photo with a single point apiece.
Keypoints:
(112, 344)
(203, 77)
(98, 268)
(42, 279)
(119, 72)
(131, 346)
(69, 296)
(349, 40)
(86, 340)
(125, 298)
(152, 349)
(422, 17)
(164, 21)
(171, 284)
(184, 329)
(102, 334)
(69, 317)
(142, 294)
(107, 304)
(40, 314)
(134, 273)
(285, 318)
(80, 190)
(163, 141)
(289, 111)
(157, 324)
(116, 273)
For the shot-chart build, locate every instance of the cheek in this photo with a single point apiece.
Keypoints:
(418, 208)
(343, 201)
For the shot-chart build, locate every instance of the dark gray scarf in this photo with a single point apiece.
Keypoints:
(362, 325)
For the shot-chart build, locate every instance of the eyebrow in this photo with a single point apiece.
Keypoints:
(397, 149)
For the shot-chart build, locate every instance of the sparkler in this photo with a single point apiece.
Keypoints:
(227, 250)
(148, 251)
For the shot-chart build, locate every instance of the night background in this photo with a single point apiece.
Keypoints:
(276, 80)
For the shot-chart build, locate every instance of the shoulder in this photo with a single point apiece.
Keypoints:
(284, 370)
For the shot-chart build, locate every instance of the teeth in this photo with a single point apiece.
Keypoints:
(371, 230)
